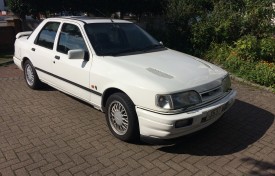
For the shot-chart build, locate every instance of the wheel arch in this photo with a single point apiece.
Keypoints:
(24, 60)
(107, 93)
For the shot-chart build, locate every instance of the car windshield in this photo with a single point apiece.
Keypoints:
(114, 39)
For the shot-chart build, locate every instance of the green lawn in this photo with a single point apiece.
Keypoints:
(5, 57)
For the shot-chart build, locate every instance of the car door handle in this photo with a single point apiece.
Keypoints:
(57, 57)
(33, 49)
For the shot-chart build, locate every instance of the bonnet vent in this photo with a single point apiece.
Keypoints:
(159, 73)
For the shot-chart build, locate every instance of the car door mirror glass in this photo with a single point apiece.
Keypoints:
(76, 54)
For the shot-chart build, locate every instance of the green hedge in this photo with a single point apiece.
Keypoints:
(236, 34)
(236, 61)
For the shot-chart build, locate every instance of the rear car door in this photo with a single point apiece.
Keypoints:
(42, 50)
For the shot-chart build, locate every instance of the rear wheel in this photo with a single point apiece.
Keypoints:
(30, 76)
(121, 117)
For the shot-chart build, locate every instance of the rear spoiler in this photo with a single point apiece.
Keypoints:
(21, 34)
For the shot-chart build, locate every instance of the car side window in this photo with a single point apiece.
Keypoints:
(47, 35)
(70, 38)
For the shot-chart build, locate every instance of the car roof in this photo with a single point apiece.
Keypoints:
(87, 20)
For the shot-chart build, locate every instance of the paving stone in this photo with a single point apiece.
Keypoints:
(47, 132)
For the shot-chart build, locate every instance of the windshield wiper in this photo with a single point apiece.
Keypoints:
(129, 50)
(132, 50)
(151, 47)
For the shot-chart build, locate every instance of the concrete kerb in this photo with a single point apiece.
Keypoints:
(251, 84)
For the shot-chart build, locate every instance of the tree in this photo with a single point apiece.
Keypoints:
(181, 16)
(221, 24)
(98, 7)
(197, 24)
(19, 7)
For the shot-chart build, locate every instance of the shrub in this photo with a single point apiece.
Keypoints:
(264, 74)
(247, 47)
(250, 48)
(234, 34)
(218, 53)
(260, 72)
(267, 49)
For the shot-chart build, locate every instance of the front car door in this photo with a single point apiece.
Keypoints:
(72, 75)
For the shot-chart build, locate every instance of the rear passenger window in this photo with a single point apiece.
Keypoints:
(70, 38)
(47, 35)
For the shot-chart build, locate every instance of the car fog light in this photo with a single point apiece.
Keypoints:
(183, 123)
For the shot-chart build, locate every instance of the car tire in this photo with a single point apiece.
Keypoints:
(121, 118)
(30, 76)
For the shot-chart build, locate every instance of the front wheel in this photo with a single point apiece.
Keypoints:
(30, 76)
(121, 117)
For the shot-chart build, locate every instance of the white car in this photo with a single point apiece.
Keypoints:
(143, 87)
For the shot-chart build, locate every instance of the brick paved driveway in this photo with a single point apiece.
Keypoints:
(49, 133)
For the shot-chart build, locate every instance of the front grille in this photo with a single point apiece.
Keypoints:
(211, 94)
(208, 101)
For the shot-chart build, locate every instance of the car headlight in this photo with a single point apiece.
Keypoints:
(226, 83)
(178, 100)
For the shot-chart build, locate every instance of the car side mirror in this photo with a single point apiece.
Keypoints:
(76, 54)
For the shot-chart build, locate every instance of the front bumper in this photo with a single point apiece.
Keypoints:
(162, 126)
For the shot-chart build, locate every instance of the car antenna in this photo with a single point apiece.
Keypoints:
(104, 15)
(111, 18)
(101, 12)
